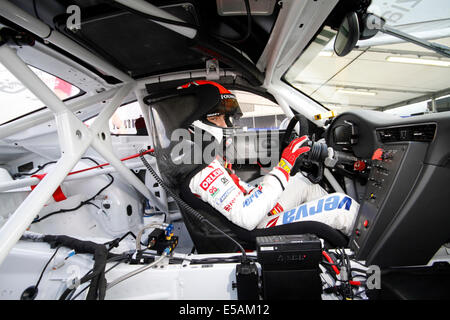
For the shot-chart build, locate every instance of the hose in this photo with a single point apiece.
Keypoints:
(135, 272)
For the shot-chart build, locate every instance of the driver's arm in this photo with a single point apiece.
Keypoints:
(214, 185)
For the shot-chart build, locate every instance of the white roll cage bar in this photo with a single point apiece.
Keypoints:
(74, 136)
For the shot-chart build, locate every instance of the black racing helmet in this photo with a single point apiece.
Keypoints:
(178, 108)
(227, 106)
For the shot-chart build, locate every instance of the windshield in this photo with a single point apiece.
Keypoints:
(382, 73)
(18, 101)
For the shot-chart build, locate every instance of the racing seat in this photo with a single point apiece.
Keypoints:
(208, 240)
(172, 109)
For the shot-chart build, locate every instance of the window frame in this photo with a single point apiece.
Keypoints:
(79, 94)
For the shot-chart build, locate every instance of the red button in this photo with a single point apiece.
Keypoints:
(366, 223)
(359, 165)
(378, 154)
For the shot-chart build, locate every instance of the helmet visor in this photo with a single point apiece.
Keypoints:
(227, 106)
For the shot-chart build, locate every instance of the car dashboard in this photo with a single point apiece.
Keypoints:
(403, 217)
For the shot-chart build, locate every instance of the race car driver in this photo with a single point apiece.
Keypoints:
(279, 198)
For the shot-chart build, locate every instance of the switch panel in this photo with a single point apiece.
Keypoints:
(394, 168)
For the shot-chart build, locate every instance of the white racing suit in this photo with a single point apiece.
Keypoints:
(273, 202)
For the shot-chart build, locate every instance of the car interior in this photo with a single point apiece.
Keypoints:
(88, 182)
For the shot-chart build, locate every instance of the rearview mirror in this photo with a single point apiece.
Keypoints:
(348, 35)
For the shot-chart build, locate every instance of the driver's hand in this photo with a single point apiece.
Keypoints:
(295, 149)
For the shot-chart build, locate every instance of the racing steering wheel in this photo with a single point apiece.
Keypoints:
(290, 134)
(313, 168)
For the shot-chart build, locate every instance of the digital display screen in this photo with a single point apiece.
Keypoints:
(342, 135)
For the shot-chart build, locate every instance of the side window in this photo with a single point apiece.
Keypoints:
(18, 101)
(126, 120)
(258, 112)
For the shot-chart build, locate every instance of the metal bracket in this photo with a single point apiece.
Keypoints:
(212, 69)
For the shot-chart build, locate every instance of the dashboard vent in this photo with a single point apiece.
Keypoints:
(420, 132)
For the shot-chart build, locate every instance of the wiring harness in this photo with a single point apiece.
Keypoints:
(95, 278)
(82, 203)
(338, 266)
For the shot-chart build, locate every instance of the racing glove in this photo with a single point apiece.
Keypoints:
(295, 149)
